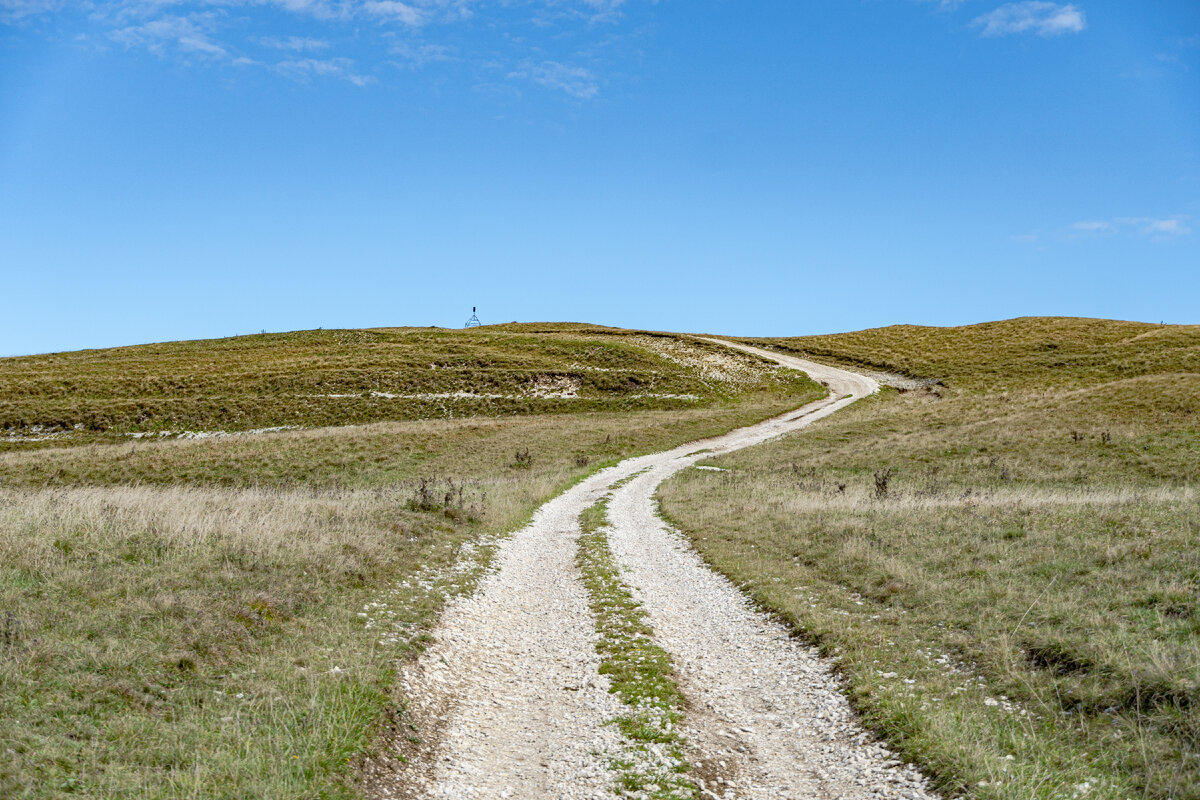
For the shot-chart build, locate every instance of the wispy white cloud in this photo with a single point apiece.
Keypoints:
(1152, 227)
(377, 33)
(1149, 226)
(395, 10)
(592, 12)
(1179, 54)
(187, 34)
(121, 13)
(293, 43)
(1093, 226)
(946, 5)
(17, 10)
(1032, 16)
(419, 55)
(1158, 230)
(578, 82)
(604, 10)
(325, 10)
(304, 68)
(417, 12)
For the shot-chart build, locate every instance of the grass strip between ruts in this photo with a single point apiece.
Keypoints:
(653, 764)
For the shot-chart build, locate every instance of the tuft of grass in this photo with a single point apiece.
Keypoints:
(1005, 565)
(640, 673)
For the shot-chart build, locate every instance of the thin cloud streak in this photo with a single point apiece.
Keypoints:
(394, 10)
(12, 11)
(1032, 16)
(418, 55)
(184, 33)
(303, 68)
(294, 43)
(1148, 226)
(1152, 227)
(577, 82)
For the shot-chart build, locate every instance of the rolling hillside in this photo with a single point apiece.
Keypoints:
(320, 378)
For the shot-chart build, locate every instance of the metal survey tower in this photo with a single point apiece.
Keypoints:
(473, 322)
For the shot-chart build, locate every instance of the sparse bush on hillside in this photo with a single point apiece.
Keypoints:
(882, 478)
(522, 459)
(454, 500)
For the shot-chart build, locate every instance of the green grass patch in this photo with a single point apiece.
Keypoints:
(640, 673)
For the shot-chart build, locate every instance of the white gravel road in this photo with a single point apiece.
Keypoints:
(509, 700)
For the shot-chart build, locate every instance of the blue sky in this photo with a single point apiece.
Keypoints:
(184, 169)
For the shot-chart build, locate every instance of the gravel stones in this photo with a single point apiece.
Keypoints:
(511, 687)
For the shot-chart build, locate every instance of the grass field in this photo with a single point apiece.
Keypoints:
(1006, 563)
(220, 617)
(1025, 353)
(340, 377)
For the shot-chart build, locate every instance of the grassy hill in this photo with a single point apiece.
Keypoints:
(1029, 352)
(1006, 560)
(340, 377)
(199, 614)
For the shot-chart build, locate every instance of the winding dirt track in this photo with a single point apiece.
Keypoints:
(510, 701)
